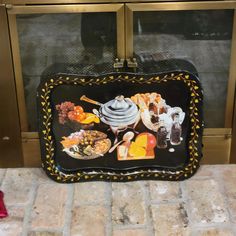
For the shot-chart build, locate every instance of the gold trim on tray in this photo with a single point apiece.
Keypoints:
(47, 141)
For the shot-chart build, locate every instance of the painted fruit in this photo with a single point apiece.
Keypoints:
(136, 150)
(80, 116)
(146, 140)
(72, 115)
(90, 117)
(79, 109)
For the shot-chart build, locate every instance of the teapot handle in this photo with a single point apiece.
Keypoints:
(96, 112)
(84, 98)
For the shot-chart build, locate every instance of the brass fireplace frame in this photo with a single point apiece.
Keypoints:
(20, 147)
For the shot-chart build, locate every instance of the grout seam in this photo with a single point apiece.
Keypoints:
(185, 202)
(195, 227)
(108, 204)
(68, 210)
(28, 208)
(148, 210)
(3, 177)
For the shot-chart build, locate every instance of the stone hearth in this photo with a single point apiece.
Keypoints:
(202, 205)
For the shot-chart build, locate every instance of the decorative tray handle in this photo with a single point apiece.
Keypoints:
(84, 98)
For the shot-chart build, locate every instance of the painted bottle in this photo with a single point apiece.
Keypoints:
(176, 130)
(162, 136)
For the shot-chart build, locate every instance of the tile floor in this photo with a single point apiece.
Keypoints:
(202, 205)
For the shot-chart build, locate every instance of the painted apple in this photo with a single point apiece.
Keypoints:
(146, 140)
(79, 109)
(72, 115)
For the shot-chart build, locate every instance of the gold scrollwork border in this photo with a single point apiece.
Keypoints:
(47, 143)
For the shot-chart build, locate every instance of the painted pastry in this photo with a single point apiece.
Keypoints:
(86, 144)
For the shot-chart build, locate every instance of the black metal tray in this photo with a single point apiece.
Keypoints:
(154, 120)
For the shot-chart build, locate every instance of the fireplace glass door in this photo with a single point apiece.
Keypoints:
(61, 39)
(198, 41)
(162, 38)
(198, 37)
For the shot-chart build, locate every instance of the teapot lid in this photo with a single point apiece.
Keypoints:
(120, 109)
(119, 103)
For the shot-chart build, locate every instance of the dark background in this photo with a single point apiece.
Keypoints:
(175, 93)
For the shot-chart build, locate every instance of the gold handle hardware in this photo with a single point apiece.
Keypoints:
(119, 63)
(132, 63)
(6, 138)
(8, 6)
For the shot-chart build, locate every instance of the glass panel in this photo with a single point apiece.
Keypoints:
(196, 41)
(81, 43)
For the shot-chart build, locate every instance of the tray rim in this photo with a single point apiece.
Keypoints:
(45, 117)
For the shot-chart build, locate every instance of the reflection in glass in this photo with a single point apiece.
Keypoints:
(70, 43)
(196, 41)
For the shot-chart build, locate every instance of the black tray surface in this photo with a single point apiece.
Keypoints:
(120, 126)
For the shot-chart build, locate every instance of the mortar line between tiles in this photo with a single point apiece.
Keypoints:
(225, 198)
(222, 190)
(108, 198)
(185, 202)
(130, 226)
(201, 226)
(68, 210)
(213, 226)
(194, 227)
(83, 204)
(228, 225)
(174, 201)
(3, 177)
(234, 229)
(28, 208)
(148, 210)
(200, 177)
(51, 230)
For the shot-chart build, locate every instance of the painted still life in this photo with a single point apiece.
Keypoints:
(162, 123)
(120, 126)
